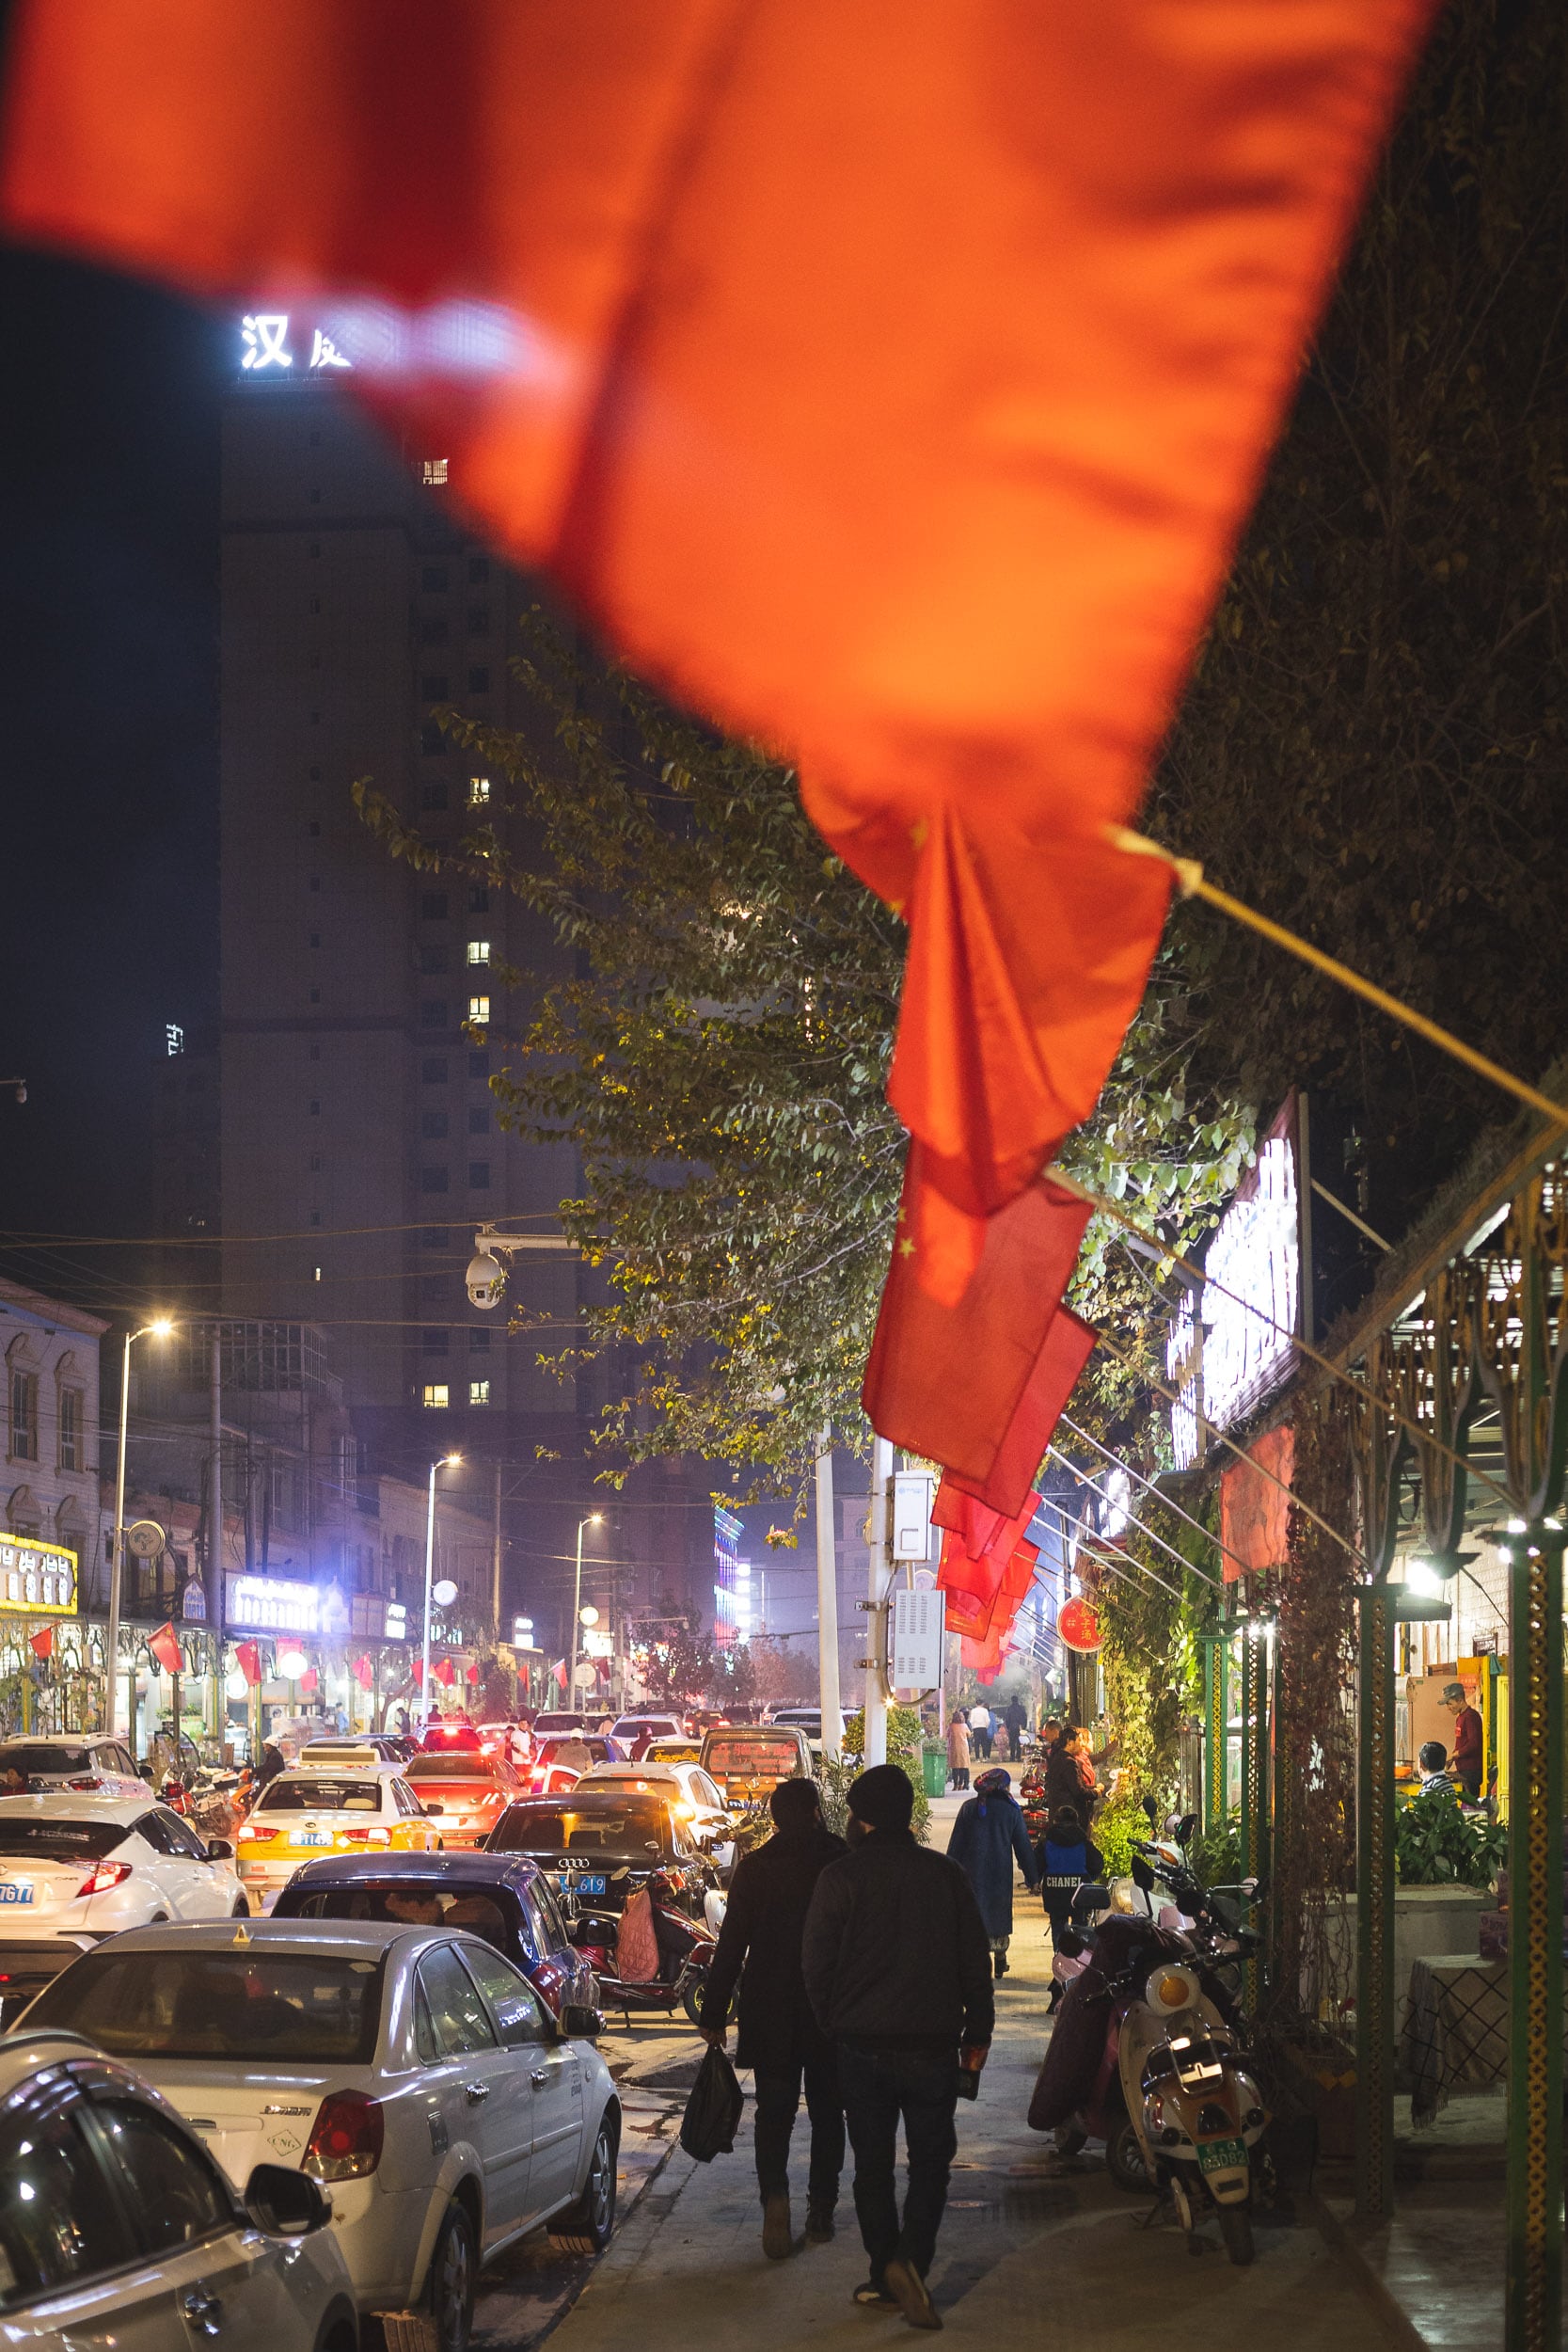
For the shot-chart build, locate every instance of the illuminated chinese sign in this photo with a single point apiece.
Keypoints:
(37, 1579)
(1253, 1293)
(264, 345)
(1183, 1369)
(273, 1604)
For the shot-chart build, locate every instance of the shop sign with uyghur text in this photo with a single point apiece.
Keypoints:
(37, 1579)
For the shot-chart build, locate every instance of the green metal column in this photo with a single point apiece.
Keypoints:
(1534, 2291)
(1215, 1649)
(1244, 1710)
(1374, 1909)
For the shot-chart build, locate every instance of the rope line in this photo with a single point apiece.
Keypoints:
(1150, 1486)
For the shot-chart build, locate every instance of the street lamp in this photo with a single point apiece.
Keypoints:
(159, 1328)
(595, 1518)
(447, 1461)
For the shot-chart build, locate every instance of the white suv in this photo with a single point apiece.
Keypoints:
(90, 1761)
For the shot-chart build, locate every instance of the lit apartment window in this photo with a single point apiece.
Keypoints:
(437, 1396)
(479, 791)
(434, 474)
(315, 1274)
(479, 1008)
(479, 951)
(479, 1391)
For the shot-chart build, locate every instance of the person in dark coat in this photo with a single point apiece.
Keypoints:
(989, 1836)
(780, 2038)
(1016, 1716)
(1069, 1775)
(897, 1971)
(273, 1762)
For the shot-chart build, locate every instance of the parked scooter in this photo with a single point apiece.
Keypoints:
(686, 1954)
(1169, 2094)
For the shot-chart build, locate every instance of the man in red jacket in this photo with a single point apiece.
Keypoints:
(1466, 1761)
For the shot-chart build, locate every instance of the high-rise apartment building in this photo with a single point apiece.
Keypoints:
(360, 1145)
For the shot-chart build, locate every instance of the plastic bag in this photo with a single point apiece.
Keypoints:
(637, 1942)
(713, 2109)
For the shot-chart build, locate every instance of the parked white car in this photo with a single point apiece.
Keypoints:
(117, 2227)
(705, 1814)
(90, 1761)
(76, 1868)
(412, 2070)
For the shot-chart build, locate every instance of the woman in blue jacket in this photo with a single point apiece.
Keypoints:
(989, 1836)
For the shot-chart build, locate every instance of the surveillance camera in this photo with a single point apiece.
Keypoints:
(486, 1280)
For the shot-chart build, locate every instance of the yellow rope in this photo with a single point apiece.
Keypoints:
(1190, 882)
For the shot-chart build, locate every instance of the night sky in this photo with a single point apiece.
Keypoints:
(108, 561)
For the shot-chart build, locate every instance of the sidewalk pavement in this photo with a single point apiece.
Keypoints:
(1028, 2241)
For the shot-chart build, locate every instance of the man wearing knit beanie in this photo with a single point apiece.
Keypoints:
(897, 1968)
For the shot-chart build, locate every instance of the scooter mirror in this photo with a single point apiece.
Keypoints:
(1142, 1875)
(1151, 1811)
(1184, 1829)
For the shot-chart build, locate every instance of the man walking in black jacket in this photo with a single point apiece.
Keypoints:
(779, 2037)
(897, 1966)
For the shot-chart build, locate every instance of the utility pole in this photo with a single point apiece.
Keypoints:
(879, 1584)
(215, 1539)
(827, 1602)
(496, 1554)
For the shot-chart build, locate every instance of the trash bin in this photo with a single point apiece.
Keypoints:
(936, 1768)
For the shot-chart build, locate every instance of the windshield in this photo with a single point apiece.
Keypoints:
(16, 1755)
(277, 2009)
(461, 1768)
(59, 1841)
(316, 1793)
(750, 1752)
(627, 1829)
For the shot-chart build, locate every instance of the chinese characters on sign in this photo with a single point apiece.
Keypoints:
(37, 1579)
(265, 343)
(273, 1604)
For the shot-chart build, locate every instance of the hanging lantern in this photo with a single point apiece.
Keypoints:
(1078, 1625)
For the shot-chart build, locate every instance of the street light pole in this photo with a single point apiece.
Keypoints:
(591, 1521)
(159, 1328)
(447, 1461)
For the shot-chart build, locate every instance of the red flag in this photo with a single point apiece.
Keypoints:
(944, 1378)
(1067, 1346)
(364, 1674)
(472, 1674)
(418, 1670)
(308, 1679)
(1253, 1507)
(166, 1649)
(559, 1671)
(935, 494)
(445, 1673)
(247, 1657)
(42, 1642)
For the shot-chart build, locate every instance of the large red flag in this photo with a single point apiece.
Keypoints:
(164, 1647)
(889, 382)
(247, 1657)
(1016, 1463)
(945, 1377)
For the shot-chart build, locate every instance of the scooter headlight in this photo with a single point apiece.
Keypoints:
(1170, 1990)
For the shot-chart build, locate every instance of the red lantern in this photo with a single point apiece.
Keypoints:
(1078, 1625)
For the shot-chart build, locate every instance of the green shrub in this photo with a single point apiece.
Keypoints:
(1216, 1853)
(905, 1734)
(1438, 1845)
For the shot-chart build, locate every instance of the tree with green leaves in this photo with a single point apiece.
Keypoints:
(717, 1049)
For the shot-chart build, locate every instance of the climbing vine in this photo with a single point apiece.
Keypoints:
(1151, 1612)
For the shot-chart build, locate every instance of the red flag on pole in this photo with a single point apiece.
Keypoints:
(472, 1674)
(559, 1671)
(247, 1657)
(166, 1649)
(364, 1674)
(417, 1671)
(42, 1642)
(309, 1680)
(1066, 1348)
(445, 1673)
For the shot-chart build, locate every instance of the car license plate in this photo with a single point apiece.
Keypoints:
(593, 1882)
(309, 1838)
(15, 1891)
(1222, 2155)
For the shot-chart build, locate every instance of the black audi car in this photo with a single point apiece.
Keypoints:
(601, 1845)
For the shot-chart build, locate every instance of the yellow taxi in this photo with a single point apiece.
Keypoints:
(308, 1812)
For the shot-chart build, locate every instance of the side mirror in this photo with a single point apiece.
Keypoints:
(1088, 1898)
(219, 1850)
(434, 1811)
(1149, 1811)
(1184, 1829)
(1142, 1875)
(144, 1772)
(283, 2202)
(581, 2025)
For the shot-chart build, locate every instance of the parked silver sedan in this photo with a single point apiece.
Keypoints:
(411, 2068)
(117, 2229)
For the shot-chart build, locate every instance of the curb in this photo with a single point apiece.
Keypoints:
(1344, 2240)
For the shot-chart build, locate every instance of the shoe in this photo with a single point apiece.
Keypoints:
(777, 2238)
(908, 2290)
(871, 2298)
(819, 2223)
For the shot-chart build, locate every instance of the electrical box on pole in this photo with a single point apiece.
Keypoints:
(915, 1645)
(911, 1516)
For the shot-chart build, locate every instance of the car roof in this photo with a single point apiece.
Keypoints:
(339, 1937)
(382, 1769)
(584, 1793)
(471, 1865)
(660, 1768)
(58, 1739)
(67, 1805)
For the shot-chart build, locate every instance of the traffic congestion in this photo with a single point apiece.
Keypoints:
(292, 2052)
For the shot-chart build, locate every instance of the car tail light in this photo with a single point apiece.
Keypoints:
(346, 2137)
(102, 1878)
(251, 1835)
(88, 1780)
